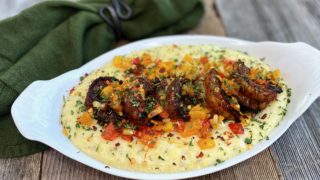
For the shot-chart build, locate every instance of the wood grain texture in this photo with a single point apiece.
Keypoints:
(57, 166)
(27, 167)
(259, 167)
(297, 152)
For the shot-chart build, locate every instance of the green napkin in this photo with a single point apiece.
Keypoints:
(56, 36)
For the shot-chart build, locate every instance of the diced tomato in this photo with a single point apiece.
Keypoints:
(200, 155)
(206, 123)
(220, 74)
(164, 114)
(135, 60)
(205, 130)
(204, 60)
(140, 132)
(137, 134)
(110, 133)
(236, 128)
(126, 137)
(179, 126)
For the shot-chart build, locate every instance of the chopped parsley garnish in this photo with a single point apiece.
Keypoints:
(260, 134)
(248, 140)
(221, 56)
(78, 103)
(128, 126)
(82, 108)
(219, 161)
(150, 106)
(161, 158)
(103, 98)
(190, 143)
(127, 156)
(197, 88)
(284, 112)
(262, 125)
(256, 120)
(135, 103)
(64, 101)
(289, 92)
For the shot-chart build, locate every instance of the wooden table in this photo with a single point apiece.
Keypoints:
(296, 155)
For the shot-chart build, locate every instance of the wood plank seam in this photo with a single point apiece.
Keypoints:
(41, 162)
(275, 162)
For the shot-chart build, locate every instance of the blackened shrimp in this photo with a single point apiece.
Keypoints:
(216, 97)
(251, 94)
(176, 108)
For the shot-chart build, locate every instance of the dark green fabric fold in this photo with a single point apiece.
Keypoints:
(56, 36)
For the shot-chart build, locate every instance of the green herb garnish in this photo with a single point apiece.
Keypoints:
(248, 140)
(161, 158)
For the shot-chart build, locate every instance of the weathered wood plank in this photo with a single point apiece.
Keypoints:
(57, 166)
(260, 167)
(297, 151)
(27, 167)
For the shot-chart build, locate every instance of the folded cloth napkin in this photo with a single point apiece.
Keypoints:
(56, 36)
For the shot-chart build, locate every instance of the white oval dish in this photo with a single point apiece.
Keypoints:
(36, 112)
